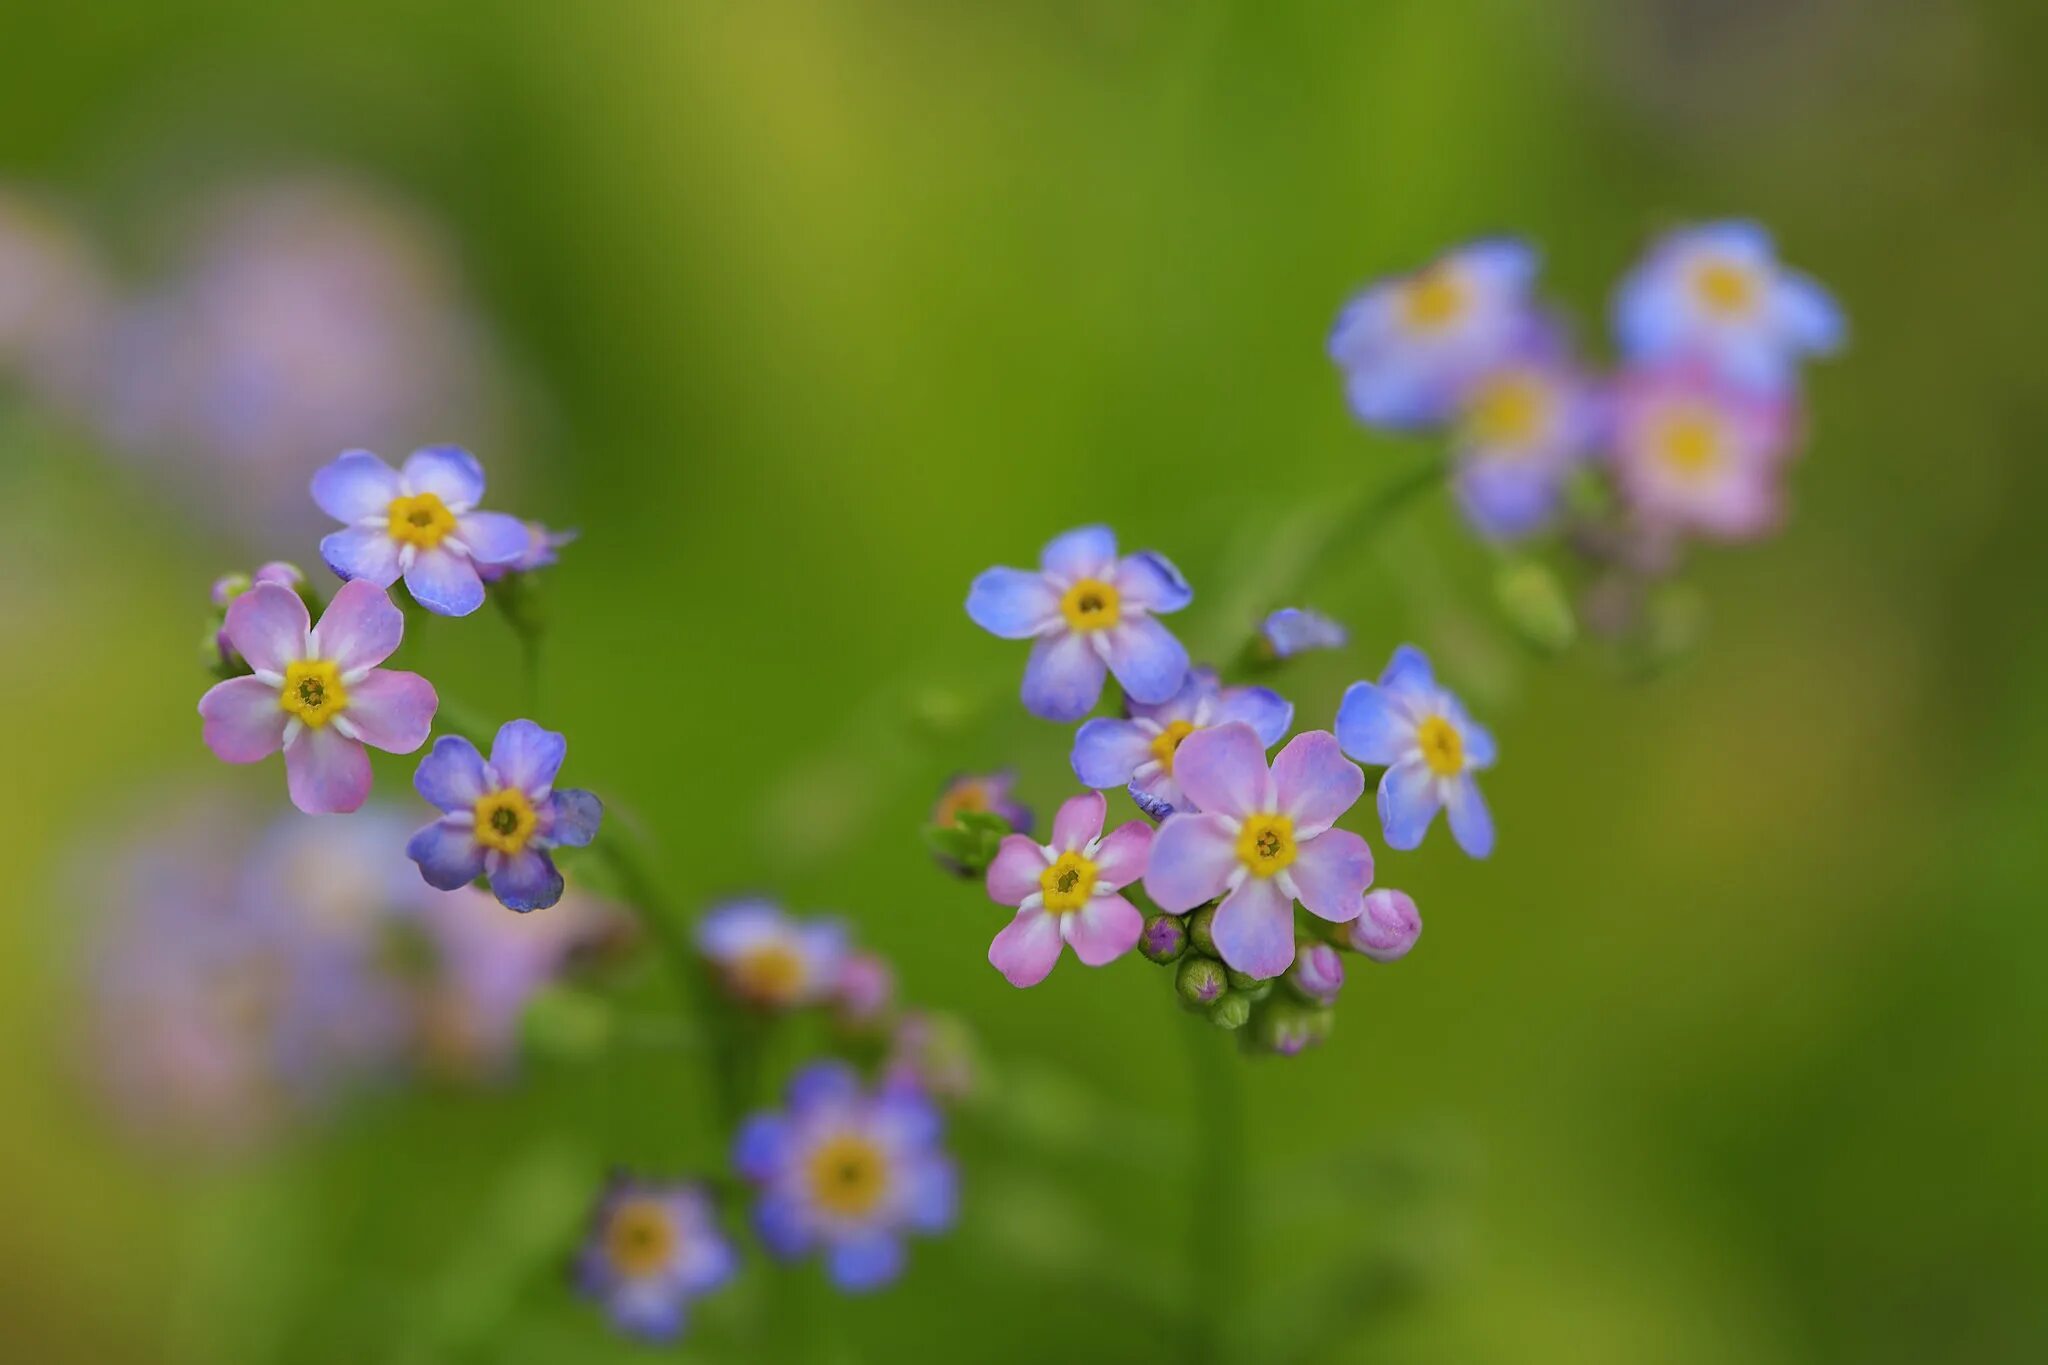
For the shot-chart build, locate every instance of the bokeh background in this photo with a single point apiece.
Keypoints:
(806, 312)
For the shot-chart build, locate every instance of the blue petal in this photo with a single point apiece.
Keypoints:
(575, 818)
(760, 1146)
(1150, 580)
(646, 1312)
(1408, 802)
(449, 855)
(450, 473)
(1153, 804)
(444, 583)
(933, 1194)
(1265, 710)
(1479, 747)
(354, 486)
(361, 552)
(1737, 237)
(1087, 552)
(526, 880)
(1504, 265)
(1062, 678)
(451, 776)
(822, 1083)
(867, 1261)
(1014, 604)
(1471, 822)
(1147, 659)
(1809, 314)
(907, 1120)
(1408, 673)
(1107, 751)
(783, 1229)
(1506, 501)
(493, 537)
(1370, 727)
(526, 756)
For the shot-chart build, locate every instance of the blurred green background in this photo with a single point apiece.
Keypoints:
(807, 312)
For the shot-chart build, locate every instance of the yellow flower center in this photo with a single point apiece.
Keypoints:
(1443, 748)
(1266, 843)
(312, 691)
(1167, 742)
(770, 973)
(1690, 443)
(1509, 410)
(640, 1239)
(1434, 299)
(1067, 883)
(1091, 604)
(849, 1175)
(1726, 288)
(422, 520)
(504, 820)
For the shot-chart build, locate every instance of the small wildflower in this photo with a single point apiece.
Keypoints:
(1389, 927)
(1716, 294)
(1318, 971)
(1066, 892)
(1407, 345)
(419, 522)
(1430, 748)
(1694, 453)
(501, 818)
(1088, 613)
(1262, 841)
(768, 959)
(1523, 424)
(1139, 752)
(540, 553)
(847, 1171)
(1298, 630)
(653, 1247)
(316, 692)
(865, 987)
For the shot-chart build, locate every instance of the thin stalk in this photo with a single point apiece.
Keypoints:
(1217, 1193)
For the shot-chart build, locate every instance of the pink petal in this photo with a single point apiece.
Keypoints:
(1314, 783)
(1223, 770)
(1254, 928)
(1192, 858)
(1103, 930)
(1027, 947)
(1079, 822)
(1121, 859)
(1330, 873)
(267, 626)
(243, 720)
(1014, 872)
(392, 711)
(361, 626)
(326, 772)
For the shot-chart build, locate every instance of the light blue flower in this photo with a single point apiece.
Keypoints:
(847, 1171)
(1406, 345)
(1430, 748)
(1088, 613)
(653, 1247)
(502, 817)
(1138, 752)
(1716, 294)
(418, 522)
(1523, 424)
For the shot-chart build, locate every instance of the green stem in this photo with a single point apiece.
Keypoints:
(1373, 513)
(1217, 1197)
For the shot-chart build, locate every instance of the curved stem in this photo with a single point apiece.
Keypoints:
(1217, 1198)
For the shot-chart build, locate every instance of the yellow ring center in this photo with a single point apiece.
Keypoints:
(1068, 883)
(312, 692)
(504, 820)
(421, 519)
(1266, 843)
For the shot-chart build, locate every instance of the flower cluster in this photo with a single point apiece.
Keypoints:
(1249, 880)
(1689, 437)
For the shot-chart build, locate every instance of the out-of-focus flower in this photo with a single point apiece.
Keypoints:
(1088, 613)
(1430, 748)
(1289, 1028)
(768, 959)
(1318, 971)
(933, 1052)
(1407, 345)
(55, 303)
(540, 553)
(847, 1171)
(1522, 425)
(1262, 841)
(866, 987)
(317, 693)
(1695, 453)
(1066, 892)
(653, 1247)
(1389, 927)
(1716, 294)
(983, 794)
(419, 522)
(1139, 752)
(501, 818)
(1297, 630)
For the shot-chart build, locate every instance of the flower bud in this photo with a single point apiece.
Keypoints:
(1201, 980)
(1164, 939)
(1233, 1011)
(1289, 1027)
(1318, 972)
(228, 587)
(1536, 606)
(1388, 928)
(1199, 933)
(280, 572)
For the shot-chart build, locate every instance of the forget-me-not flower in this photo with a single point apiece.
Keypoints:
(501, 818)
(1066, 892)
(418, 522)
(1138, 752)
(1420, 733)
(653, 1247)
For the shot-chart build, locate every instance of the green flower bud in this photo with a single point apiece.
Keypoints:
(1199, 930)
(1233, 1011)
(1201, 980)
(1164, 939)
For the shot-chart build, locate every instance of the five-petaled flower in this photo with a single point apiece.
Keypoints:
(769, 959)
(1407, 345)
(1430, 748)
(418, 522)
(317, 693)
(849, 1171)
(1088, 613)
(1716, 294)
(1693, 452)
(1139, 752)
(500, 818)
(1262, 840)
(1066, 892)
(653, 1247)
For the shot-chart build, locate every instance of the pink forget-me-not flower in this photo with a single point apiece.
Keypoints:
(1693, 452)
(1429, 746)
(501, 818)
(418, 522)
(1066, 892)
